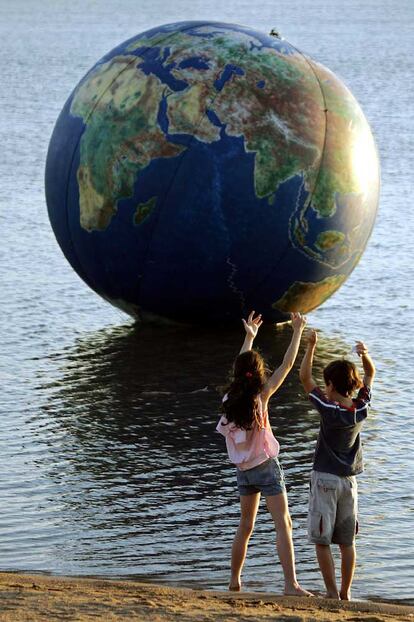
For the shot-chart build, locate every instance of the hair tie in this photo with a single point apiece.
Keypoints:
(249, 374)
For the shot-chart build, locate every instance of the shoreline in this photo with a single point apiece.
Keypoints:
(38, 597)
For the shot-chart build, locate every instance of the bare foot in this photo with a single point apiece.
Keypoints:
(296, 590)
(345, 595)
(333, 595)
(234, 587)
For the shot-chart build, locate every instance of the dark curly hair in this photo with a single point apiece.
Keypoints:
(249, 377)
(343, 375)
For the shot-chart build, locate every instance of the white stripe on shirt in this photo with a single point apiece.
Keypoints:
(335, 405)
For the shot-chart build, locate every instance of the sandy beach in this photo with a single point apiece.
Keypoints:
(38, 597)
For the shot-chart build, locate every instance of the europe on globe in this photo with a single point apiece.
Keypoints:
(200, 170)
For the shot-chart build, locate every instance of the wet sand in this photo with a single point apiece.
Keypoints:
(37, 597)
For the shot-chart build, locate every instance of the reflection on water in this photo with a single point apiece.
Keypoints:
(127, 473)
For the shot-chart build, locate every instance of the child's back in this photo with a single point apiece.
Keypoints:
(247, 448)
(338, 449)
(253, 450)
(333, 499)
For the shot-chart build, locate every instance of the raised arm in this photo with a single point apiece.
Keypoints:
(367, 363)
(305, 372)
(278, 376)
(252, 328)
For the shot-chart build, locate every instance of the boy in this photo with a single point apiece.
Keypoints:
(333, 500)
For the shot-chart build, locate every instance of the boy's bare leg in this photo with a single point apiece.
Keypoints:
(327, 568)
(279, 509)
(348, 558)
(248, 507)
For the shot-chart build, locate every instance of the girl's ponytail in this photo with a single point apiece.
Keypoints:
(249, 376)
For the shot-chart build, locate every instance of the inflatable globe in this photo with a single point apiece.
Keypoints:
(201, 170)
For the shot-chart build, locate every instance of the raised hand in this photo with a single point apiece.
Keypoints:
(361, 348)
(312, 338)
(367, 362)
(252, 325)
(298, 321)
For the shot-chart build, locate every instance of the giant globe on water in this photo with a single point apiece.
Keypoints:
(200, 170)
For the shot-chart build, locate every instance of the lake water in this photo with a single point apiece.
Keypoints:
(110, 464)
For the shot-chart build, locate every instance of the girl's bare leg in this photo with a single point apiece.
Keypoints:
(348, 558)
(249, 505)
(327, 568)
(279, 509)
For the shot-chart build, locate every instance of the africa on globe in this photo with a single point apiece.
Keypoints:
(200, 170)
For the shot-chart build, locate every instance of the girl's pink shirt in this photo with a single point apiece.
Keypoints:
(249, 448)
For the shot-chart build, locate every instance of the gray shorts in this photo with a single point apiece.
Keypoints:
(333, 507)
(266, 478)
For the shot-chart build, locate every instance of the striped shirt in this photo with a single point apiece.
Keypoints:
(338, 449)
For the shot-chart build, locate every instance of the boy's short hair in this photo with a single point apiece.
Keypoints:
(343, 375)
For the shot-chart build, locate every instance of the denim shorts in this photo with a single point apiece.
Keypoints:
(266, 478)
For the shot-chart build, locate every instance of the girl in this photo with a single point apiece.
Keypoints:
(253, 449)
